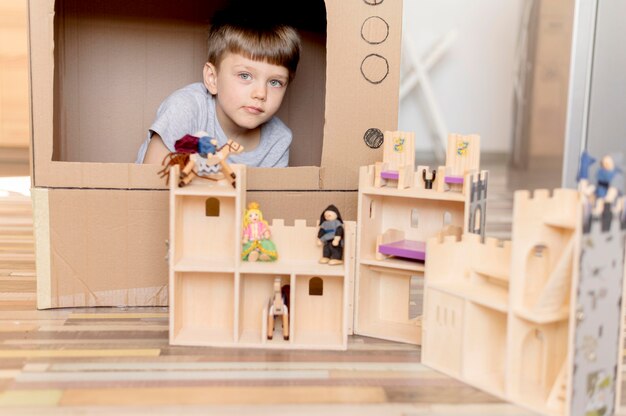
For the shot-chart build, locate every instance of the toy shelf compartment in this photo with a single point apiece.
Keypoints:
(201, 308)
(204, 241)
(203, 220)
(319, 311)
(255, 293)
(487, 295)
(316, 317)
(397, 228)
(472, 310)
(485, 367)
(537, 385)
(388, 293)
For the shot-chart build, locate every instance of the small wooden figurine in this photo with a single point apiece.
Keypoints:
(330, 236)
(256, 236)
(428, 182)
(605, 175)
(278, 306)
(197, 155)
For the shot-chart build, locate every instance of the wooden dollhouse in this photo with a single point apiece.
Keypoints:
(400, 208)
(217, 299)
(538, 320)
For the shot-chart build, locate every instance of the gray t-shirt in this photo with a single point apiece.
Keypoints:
(192, 109)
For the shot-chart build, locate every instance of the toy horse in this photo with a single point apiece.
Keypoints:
(193, 165)
(278, 306)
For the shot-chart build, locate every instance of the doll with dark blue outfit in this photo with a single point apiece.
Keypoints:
(605, 175)
(330, 236)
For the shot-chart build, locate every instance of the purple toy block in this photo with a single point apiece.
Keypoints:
(415, 250)
(390, 174)
(453, 179)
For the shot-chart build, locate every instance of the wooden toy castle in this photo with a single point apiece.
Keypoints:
(217, 299)
(400, 208)
(536, 320)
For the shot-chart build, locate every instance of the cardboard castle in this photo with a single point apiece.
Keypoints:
(98, 72)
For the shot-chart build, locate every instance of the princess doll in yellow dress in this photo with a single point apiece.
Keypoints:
(256, 236)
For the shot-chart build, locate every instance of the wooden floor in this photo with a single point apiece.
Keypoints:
(118, 361)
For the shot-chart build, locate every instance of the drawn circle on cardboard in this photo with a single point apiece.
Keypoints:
(373, 2)
(374, 138)
(374, 30)
(375, 68)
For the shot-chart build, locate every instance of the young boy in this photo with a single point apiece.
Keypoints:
(245, 78)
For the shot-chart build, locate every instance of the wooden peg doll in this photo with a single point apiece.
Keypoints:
(330, 236)
(257, 244)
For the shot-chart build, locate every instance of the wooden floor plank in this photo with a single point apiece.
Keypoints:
(38, 397)
(123, 315)
(49, 353)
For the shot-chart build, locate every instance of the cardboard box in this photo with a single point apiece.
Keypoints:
(13, 80)
(99, 70)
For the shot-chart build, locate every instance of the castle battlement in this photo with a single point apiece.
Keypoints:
(478, 176)
(470, 238)
(280, 223)
(604, 216)
(473, 240)
(561, 208)
(559, 196)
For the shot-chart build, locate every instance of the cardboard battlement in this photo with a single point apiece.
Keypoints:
(92, 106)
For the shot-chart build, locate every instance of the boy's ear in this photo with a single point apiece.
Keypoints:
(209, 74)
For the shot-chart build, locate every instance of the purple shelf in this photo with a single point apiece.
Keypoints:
(390, 174)
(453, 179)
(409, 249)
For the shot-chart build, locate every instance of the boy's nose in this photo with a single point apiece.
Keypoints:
(259, 92)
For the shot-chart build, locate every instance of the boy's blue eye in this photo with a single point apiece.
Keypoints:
(245, 76)
(276, 83)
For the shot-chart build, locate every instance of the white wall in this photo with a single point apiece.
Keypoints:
(473, 82)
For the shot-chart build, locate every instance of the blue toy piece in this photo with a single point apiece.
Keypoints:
(586, 160)
(605, 176)
(206, 146)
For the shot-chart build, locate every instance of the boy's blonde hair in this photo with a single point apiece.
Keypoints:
(277, 44)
